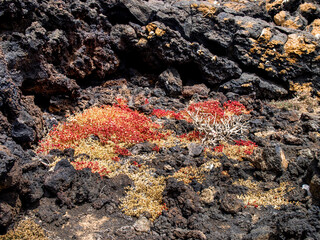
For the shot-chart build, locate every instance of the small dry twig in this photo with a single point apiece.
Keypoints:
(217, 130)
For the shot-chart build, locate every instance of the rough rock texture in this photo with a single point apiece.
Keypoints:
(58, 57)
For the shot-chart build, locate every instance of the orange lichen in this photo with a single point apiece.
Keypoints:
(306, 7)
(273, 4)
(292, 23)
(265, 35)
(245, 25)
(284, 19)
(280, 18)
(314, 28)
(207, 10)
(154, 30)
(270, 51)
(235, 6)
(296, 46)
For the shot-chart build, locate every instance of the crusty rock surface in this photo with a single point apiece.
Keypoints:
(59, 57)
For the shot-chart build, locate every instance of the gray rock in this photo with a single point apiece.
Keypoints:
(260, 233)
(22, 133)
(230, 203)
(195, 149)
(315, 187)
(138, 9)
(292, 140)
(171, 81)
(142, 225)
(201, 89)
(270, 158)
(249, 83)
(61, 178)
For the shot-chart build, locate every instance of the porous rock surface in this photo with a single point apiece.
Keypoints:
(62, 56)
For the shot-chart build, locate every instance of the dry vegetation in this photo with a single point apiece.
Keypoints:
(256, 196)
(102, 137)
(304, 98)
(25, 230)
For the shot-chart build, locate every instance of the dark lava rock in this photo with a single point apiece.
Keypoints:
(201, 89)
(292, 140)
(310, 126)
(78, 187)
(10, 206)
(48, 211)
(32, 180)
(177, 194)
(22, 133)
(61, 177)
(230, 203)
(178, 126)
(145, 147)
(10, 171)
(189, 234)
(249, 83)
(292, 116)
(296, 228)
(315, 186)
(270, 158)
(171, 81)
(176, 219)
(264, 232)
